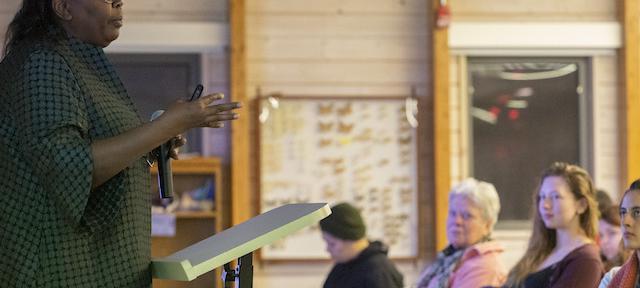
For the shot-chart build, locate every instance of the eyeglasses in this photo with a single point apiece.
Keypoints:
(113, 3)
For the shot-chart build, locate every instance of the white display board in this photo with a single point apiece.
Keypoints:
(362, 151)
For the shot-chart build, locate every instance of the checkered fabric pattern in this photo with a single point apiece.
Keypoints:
(55, 99)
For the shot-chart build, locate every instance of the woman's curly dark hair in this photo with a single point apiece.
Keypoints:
(33, 21)
(635, 185)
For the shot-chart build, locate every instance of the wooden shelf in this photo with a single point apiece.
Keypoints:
(193, 214)
(192, 166)
(196, 214)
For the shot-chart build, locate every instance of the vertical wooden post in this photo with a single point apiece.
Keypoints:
(241, 205)
(442, 153)
(631, 54)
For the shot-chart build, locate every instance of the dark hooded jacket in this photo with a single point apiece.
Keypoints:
(371, 269)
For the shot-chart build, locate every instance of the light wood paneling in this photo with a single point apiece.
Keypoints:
(6, 15)
(607, 123)
(8, 8)
(527, 10)
(288, 48)
(459, 130)
(171, 10)
(145, 10)
(334, 26)
(336, 47)
(343, 89)
(336, 72)
(339, 7)
(148, 10)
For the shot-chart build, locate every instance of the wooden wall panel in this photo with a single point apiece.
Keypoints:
(335, 72)
(334, 26)
(10, 7)
(155, 10)
(401, 7)
(145, 11)
(541, 10)
(342, 89)
(408, 47)
(607, 124)
(459, 118)
(171, 10)
(331, 47)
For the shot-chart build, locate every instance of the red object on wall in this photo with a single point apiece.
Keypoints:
(443, 17)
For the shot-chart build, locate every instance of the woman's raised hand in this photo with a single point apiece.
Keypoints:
(200, 113)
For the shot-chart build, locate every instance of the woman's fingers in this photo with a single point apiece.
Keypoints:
(178, 141)
(217, 121)
(221, 117)
(175, 144)
(173, 153)
(218, 108)
(207, 100)
(225, 107)
(224, 117)
(205, 113)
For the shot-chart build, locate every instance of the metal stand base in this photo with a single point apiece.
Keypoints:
(242, 276)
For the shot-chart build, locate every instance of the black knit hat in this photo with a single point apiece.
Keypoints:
(344, 222)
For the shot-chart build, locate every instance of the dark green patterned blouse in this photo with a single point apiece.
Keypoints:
(55, 231)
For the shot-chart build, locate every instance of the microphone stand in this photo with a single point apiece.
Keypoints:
(242, 276)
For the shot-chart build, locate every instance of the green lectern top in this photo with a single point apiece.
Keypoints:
(221, 248)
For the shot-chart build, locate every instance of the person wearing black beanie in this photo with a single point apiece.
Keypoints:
(358, 262)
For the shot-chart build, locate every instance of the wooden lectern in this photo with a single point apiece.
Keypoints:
(238, 242)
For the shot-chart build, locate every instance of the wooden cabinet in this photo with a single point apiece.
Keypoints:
(191, 226)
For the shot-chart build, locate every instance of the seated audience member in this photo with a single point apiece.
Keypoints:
(472, 258)
(604, 201)
(627, 275)
(610, 233)
(358, 262)
(612, 252)
(562, 250)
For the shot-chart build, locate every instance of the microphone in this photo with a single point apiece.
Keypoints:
(165, 176)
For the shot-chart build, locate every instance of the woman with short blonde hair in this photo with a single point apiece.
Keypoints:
(472, 257)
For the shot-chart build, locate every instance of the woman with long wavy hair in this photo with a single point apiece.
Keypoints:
(561, 251)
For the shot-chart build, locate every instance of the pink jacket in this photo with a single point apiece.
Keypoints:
(479, 266)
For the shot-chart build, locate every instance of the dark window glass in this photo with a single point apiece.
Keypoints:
(525, 114)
